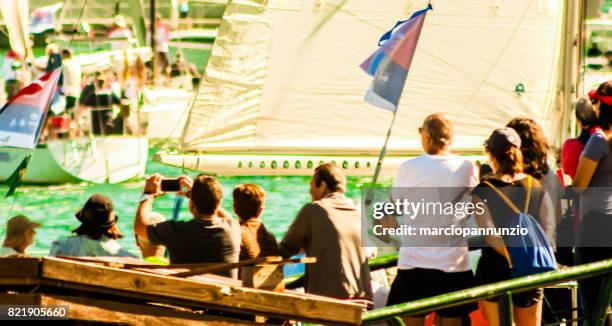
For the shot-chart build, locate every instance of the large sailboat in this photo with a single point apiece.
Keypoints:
(283, 91)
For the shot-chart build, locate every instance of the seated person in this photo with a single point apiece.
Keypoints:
(211, 236)
(20, 232)
(257, 241)
(153, 253)
(329, 229)
(97, 235)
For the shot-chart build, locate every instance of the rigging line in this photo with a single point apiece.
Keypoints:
(494, 65)
(189, 106)
(76, 24)
(187, 109)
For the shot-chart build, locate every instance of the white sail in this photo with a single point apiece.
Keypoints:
(284, 79)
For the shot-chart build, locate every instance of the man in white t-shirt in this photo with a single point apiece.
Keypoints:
(430, 270)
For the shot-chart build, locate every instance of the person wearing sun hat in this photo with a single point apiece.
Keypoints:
(97, 235)
(20, 232)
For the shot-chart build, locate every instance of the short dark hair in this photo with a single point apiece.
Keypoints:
(206, 194)
(585, 113)
(331, 175)
(533, 146)
(440, 130)
(248, 200)
(605, 110)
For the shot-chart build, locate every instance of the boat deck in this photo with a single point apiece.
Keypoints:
(134, 292)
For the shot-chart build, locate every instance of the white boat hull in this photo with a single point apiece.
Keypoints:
(282, 165)
(111, 159)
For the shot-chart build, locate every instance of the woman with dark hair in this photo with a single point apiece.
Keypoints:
(534, 148)
(594, 181)
(97, 235)
(506, 160)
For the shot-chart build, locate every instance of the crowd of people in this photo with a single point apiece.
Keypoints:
(105, 101)
(329, 227)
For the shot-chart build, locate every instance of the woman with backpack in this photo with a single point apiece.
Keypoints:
(508, 193)
(534, 148)
(594, 181)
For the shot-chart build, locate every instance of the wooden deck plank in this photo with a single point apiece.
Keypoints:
(299, 307)
(20, 271)
(224, 267)
(105, 311)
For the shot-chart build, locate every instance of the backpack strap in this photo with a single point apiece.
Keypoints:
(504, 197)
(528, 194)
(513, 207)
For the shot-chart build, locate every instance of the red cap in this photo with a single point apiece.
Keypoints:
(595, 96)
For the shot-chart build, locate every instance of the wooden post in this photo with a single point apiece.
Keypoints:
(20, 271)
(506, 316)
(265, 276)
(154, 65)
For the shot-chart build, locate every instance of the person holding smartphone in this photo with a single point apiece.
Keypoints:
(211, 236)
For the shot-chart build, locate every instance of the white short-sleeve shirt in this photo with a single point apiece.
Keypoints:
(436, 171)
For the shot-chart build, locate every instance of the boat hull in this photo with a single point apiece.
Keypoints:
(282, 165)
(101, 160)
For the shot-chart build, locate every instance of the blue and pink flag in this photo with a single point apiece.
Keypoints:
(23, 117)
(390, 64)
(43, 18)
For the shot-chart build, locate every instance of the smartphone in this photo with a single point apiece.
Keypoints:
(170, 185)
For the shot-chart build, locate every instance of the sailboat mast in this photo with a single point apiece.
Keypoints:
(152, 27)
(571, 68)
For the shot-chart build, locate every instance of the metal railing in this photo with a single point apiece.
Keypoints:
(503, 290)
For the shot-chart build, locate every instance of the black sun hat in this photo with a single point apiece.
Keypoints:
(98, 212)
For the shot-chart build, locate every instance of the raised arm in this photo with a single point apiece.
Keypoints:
(152, 189)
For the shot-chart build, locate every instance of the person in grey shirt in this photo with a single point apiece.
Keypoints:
(329, 229)
(594, 181)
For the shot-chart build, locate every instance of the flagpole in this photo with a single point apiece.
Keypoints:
(384, 63)
(381, 156)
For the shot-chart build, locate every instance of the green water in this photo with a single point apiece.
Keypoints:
(54, 206)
